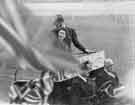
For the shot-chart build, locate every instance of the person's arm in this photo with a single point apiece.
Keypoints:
(76, 42)
(79, 45)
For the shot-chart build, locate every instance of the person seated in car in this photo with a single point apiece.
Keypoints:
(103, 75)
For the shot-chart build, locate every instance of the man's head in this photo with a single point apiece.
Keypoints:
(108, 63)
(86, 65)
(59, 20)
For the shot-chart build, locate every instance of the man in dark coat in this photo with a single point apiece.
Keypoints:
(104, 76)
(65, 36)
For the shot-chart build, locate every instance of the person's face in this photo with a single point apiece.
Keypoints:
(62, 35)
(109, 68)
(89, 66)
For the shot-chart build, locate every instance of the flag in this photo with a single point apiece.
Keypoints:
(14, 38)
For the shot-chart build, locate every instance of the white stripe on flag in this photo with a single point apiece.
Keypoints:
(11, 30)
(12, 9)
(7, 46)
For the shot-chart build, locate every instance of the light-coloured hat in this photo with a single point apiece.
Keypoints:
(108, 62)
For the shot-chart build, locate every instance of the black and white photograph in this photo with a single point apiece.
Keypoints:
(67, 52)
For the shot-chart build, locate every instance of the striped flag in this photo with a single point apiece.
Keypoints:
(14, 37)
(9, 36)
(15, 42)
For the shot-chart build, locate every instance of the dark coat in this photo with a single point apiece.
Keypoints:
(101, 77)
(70, 37)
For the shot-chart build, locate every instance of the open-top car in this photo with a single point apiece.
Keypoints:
(92, 86)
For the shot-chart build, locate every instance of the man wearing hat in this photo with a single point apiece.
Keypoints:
(108, 63)
(104, 75)
(65, 36)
